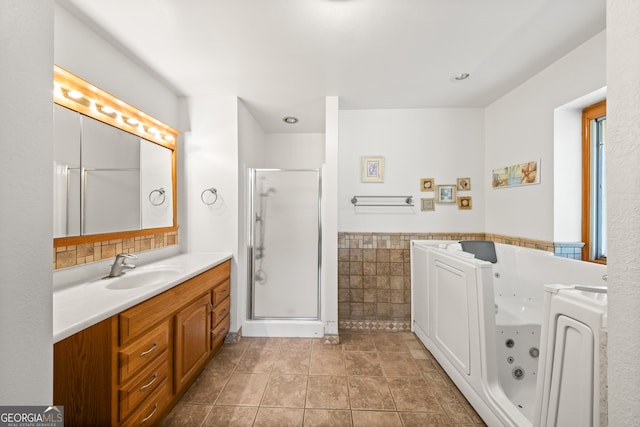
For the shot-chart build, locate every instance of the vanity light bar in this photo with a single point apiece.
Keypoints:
(78, 95)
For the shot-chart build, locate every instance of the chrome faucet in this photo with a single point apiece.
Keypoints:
(120, 264)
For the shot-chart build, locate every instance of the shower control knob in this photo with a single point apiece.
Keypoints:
(534, 352)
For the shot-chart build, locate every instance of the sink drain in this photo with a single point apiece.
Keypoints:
(518, 373)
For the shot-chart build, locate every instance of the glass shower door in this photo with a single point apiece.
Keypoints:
(285, 240)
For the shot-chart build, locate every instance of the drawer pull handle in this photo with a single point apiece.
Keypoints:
(145, 419)
(153, 347)
(153, 380)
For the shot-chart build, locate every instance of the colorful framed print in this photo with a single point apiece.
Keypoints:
(373, 169)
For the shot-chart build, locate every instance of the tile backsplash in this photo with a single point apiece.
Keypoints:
(69, 256)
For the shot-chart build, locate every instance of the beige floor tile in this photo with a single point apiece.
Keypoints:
(370, 393)
(423, 419)
(186, 415)
(231, 416)
(363, 363)
(413, 394)
(375, 419)
(288, 391)
(389, 341)
(279, 417)
(398, 365)
(327, 418)
(226, 359)
(295, 343)
(291, 362)
(327, 363)
(456, 412)
(264, 343)
(257, 360)
(206, 387)
(317, 344)
(327, 392)
(243, 389)
(357, 342)
(425, 366)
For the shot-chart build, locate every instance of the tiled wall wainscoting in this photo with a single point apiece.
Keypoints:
(571, 250)
(374, 274)
(68, 256)
(374, 278)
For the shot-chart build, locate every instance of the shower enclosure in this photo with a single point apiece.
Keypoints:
(285, 241)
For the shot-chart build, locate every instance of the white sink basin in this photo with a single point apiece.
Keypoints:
(145, 276)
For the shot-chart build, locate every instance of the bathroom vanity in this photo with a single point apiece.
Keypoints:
(132, 366)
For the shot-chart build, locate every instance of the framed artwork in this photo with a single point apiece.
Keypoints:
(373, 169)
(464, 202)
(515, 175)
(427, 184)
(464, 184)
(427, 205)
(446, 193)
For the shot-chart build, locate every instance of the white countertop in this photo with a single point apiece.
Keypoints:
(80, 305)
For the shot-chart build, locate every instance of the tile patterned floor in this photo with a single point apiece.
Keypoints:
(371, 379)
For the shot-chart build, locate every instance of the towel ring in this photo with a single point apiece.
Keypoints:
(160, 192)
(211, 190)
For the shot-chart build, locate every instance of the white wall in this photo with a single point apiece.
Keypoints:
(567, 183)
(293, 151)
(211, 159)
(623, 158)
(251, 150)
(520, 128)
(444, 144)
(330, 179)
(26, 217)
(82, 52)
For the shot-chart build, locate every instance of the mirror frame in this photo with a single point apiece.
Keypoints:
(76, 94)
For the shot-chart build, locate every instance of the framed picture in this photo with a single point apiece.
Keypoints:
(446, 193)
(427, 204)
(516, 175)
(464, 184)
(427, 184)
(373, 169)
(464, 202)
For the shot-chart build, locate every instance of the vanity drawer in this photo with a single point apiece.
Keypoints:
(149, 412)
(141, 386)
(221, 292)
(142, 351)
(220, 311)
(219, 332)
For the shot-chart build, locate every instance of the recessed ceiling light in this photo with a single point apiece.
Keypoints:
(461, 76)
(290, 120)
(107, 109)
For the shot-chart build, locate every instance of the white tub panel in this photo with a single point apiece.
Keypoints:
(571, 395)
(451, 316)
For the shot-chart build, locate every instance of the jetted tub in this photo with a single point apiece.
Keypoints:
(482, 320)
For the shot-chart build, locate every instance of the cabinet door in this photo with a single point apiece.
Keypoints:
(192, 339)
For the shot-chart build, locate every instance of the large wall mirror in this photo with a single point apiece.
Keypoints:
(114, 167)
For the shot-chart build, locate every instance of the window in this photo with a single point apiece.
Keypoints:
(594, 199)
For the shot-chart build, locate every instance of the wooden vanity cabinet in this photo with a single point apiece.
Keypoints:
(132, 368)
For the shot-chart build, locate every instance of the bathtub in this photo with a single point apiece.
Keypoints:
(482, 321)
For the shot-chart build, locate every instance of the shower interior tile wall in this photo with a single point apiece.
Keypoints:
(374, 275)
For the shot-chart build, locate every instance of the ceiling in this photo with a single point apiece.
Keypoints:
(282, 57)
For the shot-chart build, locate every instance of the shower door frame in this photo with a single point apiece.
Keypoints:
(250, 250)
